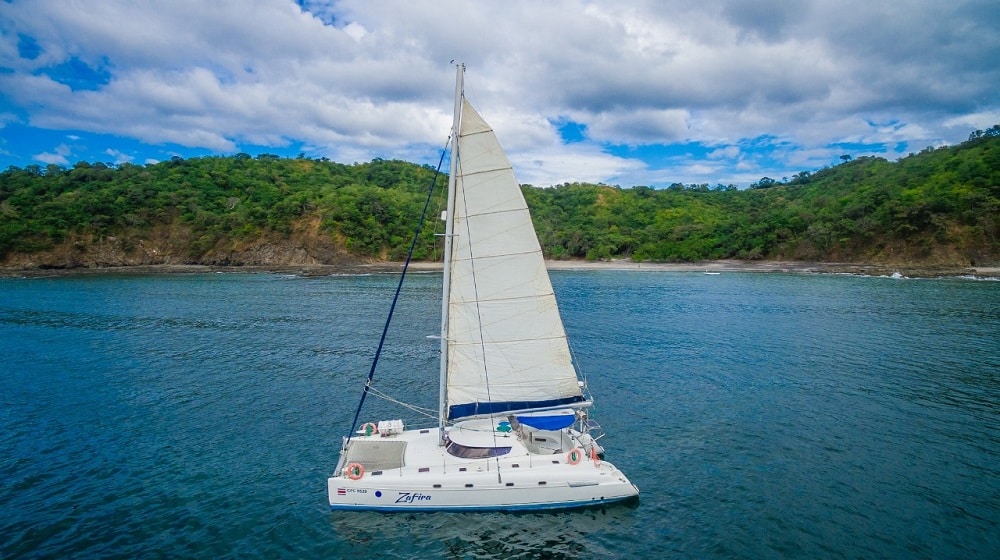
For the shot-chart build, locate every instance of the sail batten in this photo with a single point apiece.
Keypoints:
(507, 349)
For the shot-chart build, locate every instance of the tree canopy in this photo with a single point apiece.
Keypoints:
(942, 204)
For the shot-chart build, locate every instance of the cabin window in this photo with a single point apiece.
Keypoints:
(466, 452)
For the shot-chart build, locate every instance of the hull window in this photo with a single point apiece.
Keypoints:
(466, 452)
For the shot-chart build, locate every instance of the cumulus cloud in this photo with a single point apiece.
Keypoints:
(58, 156)
(356, 79)
(118, 157)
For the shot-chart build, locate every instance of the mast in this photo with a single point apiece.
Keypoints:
(448, 234)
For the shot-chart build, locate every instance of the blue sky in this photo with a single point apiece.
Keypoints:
(632, 92)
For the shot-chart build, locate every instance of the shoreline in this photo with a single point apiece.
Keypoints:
(720, 266)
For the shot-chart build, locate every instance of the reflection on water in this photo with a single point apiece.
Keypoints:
(587, 533)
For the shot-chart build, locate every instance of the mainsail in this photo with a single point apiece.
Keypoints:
(507, 350)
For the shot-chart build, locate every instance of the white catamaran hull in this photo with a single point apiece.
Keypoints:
(433, 480)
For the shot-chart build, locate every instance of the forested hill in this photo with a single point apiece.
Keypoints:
(938, 207)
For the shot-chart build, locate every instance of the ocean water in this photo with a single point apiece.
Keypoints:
(760, 415)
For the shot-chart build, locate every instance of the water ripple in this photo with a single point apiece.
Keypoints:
(760, 415)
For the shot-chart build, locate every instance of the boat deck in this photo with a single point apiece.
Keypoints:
(428, 477)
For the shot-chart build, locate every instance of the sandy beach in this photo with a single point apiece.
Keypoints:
(721, 266)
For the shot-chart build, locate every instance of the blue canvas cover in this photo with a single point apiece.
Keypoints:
(556, 422)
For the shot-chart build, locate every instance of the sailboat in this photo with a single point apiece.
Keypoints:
(513, 429)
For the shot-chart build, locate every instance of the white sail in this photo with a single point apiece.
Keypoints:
(507, 349)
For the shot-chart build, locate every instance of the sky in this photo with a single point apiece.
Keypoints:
(624, 92)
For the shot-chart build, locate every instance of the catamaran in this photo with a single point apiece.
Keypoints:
(513, 427)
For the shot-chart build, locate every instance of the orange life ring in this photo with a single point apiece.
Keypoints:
(355, 471)
(594, 457)
(369, 429)
(574, 456)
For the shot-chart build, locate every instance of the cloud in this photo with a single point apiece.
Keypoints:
(979, 120)
(58, 156)
(640, 126)
(119, 157)
(559, 165)
(728, 152)
(358, 79)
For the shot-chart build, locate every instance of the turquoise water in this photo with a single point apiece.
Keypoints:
(761, 416)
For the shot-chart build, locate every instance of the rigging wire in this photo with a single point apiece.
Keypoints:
(423, 411)
(395, 299)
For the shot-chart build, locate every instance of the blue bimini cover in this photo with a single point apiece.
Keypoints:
(555, 422)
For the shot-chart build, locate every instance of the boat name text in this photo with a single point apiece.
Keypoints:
(410, 497)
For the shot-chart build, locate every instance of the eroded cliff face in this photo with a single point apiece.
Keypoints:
(915, 252)
(176, 245)
(309, 245)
